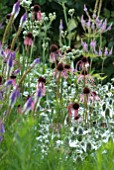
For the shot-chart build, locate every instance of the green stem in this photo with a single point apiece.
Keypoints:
(100, 5)
(15, 38)
(96, 5)
(24, 75)
(35, 107)
(6, 33)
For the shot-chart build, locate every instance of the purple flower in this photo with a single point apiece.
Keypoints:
(106, 51)
(29, 105)
(88, 24)
(85, 46)
(13, 54)
(93, 26)
(85, 8)
(16, 9)
(93, 44)
(16, 71)
(98, 23)
(39, 92)
(8, 82)
(2, 130)
(10, 61)
(61, 25)
(40, 88)
(110, 52)
(36, 61)
(83, 21)
(100, 52)
(109, 28)
(23, 19)
(103, 28)
(1, 26)
(13, 96)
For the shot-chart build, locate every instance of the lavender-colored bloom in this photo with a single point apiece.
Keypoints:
(23, 19)
(61, 25)
(85, 46)
(93, 26)
(93, 44)
(1, 95)
(98, 23)
(88, 24)
(1, 26)
(100, 52)
(16, 71)
(95, 52)
(85, 8)
(28, 105)
(83, 21)
(2, 129)
(106, 51)
(8, 82)
(110, 52)
(94, 15)
(1, 50)
(5, 113)
(10, 61)
(13, 54)
(109, 28)
(13, 97)
(103, 28)
(16, 9)
(39, 93)
(36, 61)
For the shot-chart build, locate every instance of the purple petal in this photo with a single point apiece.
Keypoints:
(23, 19)
(36, 61)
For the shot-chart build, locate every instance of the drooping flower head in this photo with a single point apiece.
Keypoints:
(86, 94)
(85, 77)
(82, 64)
(28, 41)
(54, 53)
(40, 88)
(73, 109)
(37, 13)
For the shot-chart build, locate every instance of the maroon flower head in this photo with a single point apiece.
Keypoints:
(77, 117)
(29, 35)
(94, 93)
(0, 80)
(60, 67)
(36, 8)
(67, 66)
(13, 77)
(86, 90)
(53, 48)
(75, 106)
(42, 80)
(84, 72)
(8, 16)
(84, 59)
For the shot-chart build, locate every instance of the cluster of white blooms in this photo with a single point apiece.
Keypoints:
(26, 3)
(71, 12)
(36, 26)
